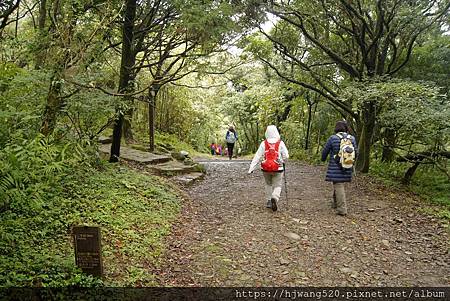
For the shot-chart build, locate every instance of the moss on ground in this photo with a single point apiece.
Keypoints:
(134, 211)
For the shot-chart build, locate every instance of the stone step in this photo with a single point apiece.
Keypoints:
(129, 154)
(104, 140)
(172, 168)
(189, 178)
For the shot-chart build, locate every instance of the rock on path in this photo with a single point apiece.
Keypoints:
(226, 237)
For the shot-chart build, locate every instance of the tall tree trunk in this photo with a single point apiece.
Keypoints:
(389, 143)
(128, 118)
(127, 126)
(54, 100)
(153, 92)
(40, 55)
(308, 127)
(366, 130)
(160, 120)
(52, 107)
(126, 64)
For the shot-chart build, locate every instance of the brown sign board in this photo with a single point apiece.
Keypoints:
(88, 251)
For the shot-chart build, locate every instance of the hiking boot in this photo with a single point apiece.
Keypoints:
(274, 204)
(341, 213)
(269, 204)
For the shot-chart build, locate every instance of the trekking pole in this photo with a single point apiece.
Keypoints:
(285, 184)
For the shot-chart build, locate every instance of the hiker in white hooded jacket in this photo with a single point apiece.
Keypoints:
(272, 171)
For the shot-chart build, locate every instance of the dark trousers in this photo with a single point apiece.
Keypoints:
(230, 147)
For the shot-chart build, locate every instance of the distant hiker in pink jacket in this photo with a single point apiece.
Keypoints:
(273, 153)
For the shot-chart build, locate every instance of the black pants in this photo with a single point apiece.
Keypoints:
(230, 147)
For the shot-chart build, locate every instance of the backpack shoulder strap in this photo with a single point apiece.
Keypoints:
(277, 145)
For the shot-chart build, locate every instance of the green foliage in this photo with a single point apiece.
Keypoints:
(251, 105)
(47, 185)
(258, 46)
(415, 112)
(172, 142)
(22, 101)
(174, 105)
(22, 95)
(190, 117)
(206, 21)
(308, 156)
(428, 182)
(31, 168)
(33, 214)
(392, 172)
(164, 143)
(430, 61)
(86, 113)
(134, 212)
(417, 109)
(295, 127)
(399, 100)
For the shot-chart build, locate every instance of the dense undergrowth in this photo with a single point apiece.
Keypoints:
(428, 182)
(46, 188)
(169, 143)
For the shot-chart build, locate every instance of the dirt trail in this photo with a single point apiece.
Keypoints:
(226, 236)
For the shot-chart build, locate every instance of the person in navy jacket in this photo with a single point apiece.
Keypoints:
(335, 173)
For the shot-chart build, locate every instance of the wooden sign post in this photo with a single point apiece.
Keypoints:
(88, 251)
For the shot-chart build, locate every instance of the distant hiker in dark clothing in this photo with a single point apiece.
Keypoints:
(231, 137)
(273, 153)
(212, 147)
(343, 150)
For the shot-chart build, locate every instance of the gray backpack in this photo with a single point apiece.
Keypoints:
(231, 137)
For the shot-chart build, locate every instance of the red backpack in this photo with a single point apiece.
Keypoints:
(270, 163)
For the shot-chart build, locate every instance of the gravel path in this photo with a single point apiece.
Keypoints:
(226, 237)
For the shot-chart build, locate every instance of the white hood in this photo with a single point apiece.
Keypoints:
(272, 134)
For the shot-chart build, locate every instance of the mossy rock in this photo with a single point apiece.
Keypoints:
(189, 161)
(189, 178)
(179, 156)
(171, 168)
(199, 168)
